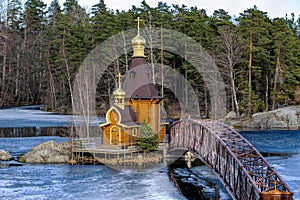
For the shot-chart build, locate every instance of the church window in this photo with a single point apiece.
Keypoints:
(132, 74)
(134, 132)
(149, 74)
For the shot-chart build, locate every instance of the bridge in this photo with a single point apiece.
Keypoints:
(242, 169)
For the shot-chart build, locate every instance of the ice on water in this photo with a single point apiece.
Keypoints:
(32, 116)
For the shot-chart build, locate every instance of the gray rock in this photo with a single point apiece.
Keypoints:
(48, 152)
(231, 115)
(5, 156)
(283, 118)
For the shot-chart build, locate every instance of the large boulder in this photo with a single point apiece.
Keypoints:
(231, 115)
(48, 152)
(5, 156)
(283, 118)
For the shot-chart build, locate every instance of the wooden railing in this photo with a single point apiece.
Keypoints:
(87, 143)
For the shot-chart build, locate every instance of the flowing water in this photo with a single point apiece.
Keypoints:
(285, 145)
(27, 181)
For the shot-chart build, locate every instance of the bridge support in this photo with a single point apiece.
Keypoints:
(188, 159)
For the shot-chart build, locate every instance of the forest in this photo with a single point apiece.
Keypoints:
(42, 47)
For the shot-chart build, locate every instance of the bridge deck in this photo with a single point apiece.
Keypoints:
(243, 170)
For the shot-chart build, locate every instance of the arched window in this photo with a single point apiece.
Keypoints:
(134, 132)
(132, 75)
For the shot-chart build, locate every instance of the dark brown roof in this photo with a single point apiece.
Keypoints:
(128, 116)
(138, 81)
(137, 61)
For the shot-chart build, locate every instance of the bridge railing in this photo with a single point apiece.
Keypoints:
(242, 169)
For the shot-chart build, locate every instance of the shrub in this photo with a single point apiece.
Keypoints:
(147, 140)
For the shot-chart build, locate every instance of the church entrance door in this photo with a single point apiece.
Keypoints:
(115, 135)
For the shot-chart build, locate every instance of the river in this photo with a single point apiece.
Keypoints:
(29, 181)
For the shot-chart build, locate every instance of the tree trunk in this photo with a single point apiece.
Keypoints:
(151, 50)
(67, 67)
(205, 101)
(4, 53)
(236, 104)
(53, 101)
(250, 71)
(125, 51)
(267, 94)
(162, 61)
(276, 77)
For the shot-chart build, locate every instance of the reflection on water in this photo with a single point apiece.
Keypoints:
(28, 121)
(34, 131)
(198, 182)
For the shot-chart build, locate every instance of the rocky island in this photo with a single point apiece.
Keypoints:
(287, 118)
(48, 152)
(5, 156)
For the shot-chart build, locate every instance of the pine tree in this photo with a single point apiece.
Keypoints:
(103, 22)
(255, 27)
(51, 85)
(285, 52)
(147, 140)
(34, 20)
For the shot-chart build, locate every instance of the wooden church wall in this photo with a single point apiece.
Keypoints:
(148, 111)
(124, 135)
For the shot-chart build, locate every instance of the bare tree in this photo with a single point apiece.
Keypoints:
(228, 56)
(150, 40)
(3, 43)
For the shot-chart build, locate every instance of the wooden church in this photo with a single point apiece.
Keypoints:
(135, 101)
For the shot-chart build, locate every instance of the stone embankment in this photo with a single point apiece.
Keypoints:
(282, 118)
(48, 152)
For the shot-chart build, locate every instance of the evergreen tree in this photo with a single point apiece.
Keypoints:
(284, 61)
(255, 27)
(51, 65)
(14, 14)
(147, 140)
(41, 51)
(103, 22)
(34, 20)
(10, 43)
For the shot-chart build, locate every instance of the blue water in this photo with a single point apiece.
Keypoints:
(100, 182)
(285, 142)
(78, 181)
(83, 182)
(65, 181)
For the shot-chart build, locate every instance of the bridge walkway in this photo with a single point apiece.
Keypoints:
(242, 169)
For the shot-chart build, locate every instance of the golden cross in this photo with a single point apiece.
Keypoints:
(275, 183)
(138, 20)
(119, 76)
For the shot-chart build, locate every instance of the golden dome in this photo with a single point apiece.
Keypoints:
(138, 43)
(119, 95)
(138, 40)
(119, 92)
(138, 46)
